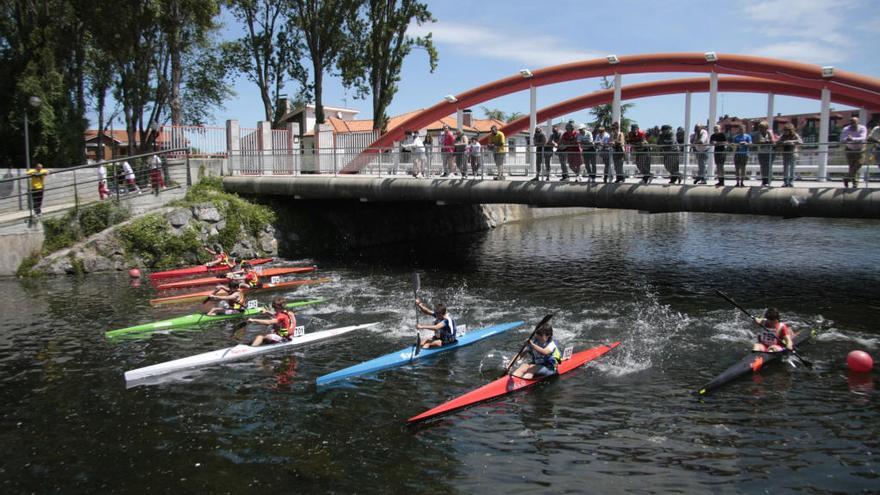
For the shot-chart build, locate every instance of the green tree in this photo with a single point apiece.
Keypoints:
(498, 114)
(380, 44)
(603, 114)
(269, 53)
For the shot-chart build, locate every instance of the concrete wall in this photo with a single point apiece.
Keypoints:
(16, 245)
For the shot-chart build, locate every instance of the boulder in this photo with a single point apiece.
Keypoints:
(179, 217)
(206, 212)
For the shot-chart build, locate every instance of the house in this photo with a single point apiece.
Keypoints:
(806, 124)
(115, 143)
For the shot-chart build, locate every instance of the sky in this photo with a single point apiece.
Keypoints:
(482, 42)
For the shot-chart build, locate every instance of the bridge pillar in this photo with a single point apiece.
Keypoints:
(713, 101)
(264, 143)
(533, 122)
(233, 143)
(615, 103)
(459, 118)
(770, 100)
(824, 122)
(687, 131)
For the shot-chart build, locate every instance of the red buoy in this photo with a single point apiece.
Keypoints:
(134, 273)
(859, 361)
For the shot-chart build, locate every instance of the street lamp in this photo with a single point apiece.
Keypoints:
(35, 102)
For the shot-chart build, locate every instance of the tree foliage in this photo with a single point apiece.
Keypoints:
(374, 59)
(498, 114)
(604, 114)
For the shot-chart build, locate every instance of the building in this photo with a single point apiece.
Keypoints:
(115, 143)
(807, 124)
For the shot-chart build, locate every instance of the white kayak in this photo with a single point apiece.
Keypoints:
(240, 351)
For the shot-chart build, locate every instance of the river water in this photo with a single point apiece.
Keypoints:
(627, 422)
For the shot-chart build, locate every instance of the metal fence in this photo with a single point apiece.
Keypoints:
(433, 162)
(201, 141)
(73, 187)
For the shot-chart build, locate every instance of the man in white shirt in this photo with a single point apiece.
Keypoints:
(585, 139)
(700, 142)
(129, 177)
(854, 137)
(103, 192)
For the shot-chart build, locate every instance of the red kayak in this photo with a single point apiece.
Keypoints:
(265, 274)
(196, 296)
(509, 384)
(195, 270)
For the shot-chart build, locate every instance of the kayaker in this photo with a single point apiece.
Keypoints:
(220, 257)
(545, 355)
(246, 274)
(443, 326)
(775, 335)
(283, 324)
(229, 303)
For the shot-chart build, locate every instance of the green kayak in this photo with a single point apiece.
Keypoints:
(196, 319)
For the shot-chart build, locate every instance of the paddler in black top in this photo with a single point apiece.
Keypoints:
(443, 326)
(229, 304)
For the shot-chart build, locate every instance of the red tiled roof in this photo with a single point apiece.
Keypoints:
(121, 136)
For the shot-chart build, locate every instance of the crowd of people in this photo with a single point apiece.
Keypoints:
(580, 152)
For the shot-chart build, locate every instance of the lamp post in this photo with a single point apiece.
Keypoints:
(35, 102)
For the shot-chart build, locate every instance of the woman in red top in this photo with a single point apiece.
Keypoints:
(775, 336)
(570, 148)
(283, 324)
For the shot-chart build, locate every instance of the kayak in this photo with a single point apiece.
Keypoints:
(239, 351)
(510, 384)
(197, 296)
(196, 319)
(195, 270)
(265, 274)
(752, 363)
(407, 354)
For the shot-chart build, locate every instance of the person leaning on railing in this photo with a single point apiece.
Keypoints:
(618, 141)
(588, 150)
(741, 142)
(765, 140)
(461, 146)
(498, 145)
(700, 142)
(540, 142)
(475, 155)
(37, 176)
(668, 145)
(874, 137)
(719, 140)
(854, 137)
(788, 144)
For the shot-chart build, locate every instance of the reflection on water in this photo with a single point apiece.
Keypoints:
(626, 422)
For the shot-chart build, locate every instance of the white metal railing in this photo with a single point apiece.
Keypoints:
(201, 141)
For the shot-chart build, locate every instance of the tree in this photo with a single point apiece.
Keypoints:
(498, 114)
(374, 59)
(604, 114)
(269, 53)
(324, 25)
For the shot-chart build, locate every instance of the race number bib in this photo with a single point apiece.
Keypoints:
(253, 304)
(275, 279)
(460, 330)
(566, 354)
(299, 331)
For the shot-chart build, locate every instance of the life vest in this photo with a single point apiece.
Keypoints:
(224, 259)
(774, 336)
(448, 331)
(240, 303)
(251, 278)
(286, 322)
(547, 360)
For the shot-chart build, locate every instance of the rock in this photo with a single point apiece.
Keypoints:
(206, 212)
(179, 217)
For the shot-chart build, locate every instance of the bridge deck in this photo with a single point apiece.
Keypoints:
(807, 199)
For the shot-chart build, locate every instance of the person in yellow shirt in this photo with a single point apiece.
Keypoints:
(37, 174)
(498, 145)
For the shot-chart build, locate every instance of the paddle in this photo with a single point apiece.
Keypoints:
(417, 284)
(729, 299)
(244, 323)
(526, 344)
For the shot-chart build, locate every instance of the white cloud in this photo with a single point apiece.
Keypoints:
(802, 51)
(535, 51)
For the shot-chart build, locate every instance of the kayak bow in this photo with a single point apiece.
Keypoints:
(406, 355)
(196, 319)
(265, 274)
(753, 363)
(197, 296)
(510, 384)
(195, 270)
(240, 351)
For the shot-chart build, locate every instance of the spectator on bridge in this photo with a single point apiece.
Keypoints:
(618, 141)
(555, 138)
(854, 137)
(157, 180)
(765, 141)
(447, 150)
(741, 141)
(585, 139)
(128, 174)
(669, 151)
(638, 142)
(429, 153)
(602, 141)
(788, 144)
(570, 152)
(460, 149)
(413, 143)
(540, 142)
(103, 192)
(700, 142)
(498, 146)
(719, 140)
(874, 137)
(37, 175)
(475, 155)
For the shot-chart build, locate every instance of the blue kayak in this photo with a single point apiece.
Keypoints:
(406, 355)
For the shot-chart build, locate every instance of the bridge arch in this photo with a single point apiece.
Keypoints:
(675, 86)
(807, 75)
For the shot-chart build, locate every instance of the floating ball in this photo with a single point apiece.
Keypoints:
(859, 361)
(134, 273)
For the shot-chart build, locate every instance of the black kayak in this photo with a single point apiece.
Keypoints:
(753, 363)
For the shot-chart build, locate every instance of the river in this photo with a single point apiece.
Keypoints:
(625, 423)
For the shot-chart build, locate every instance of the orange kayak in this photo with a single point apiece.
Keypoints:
(196, 270)
(197, 296)
(265, 274)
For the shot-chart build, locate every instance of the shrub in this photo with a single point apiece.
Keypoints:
(75, 225)
(26, 268)
(151, 238)
(237, 211)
